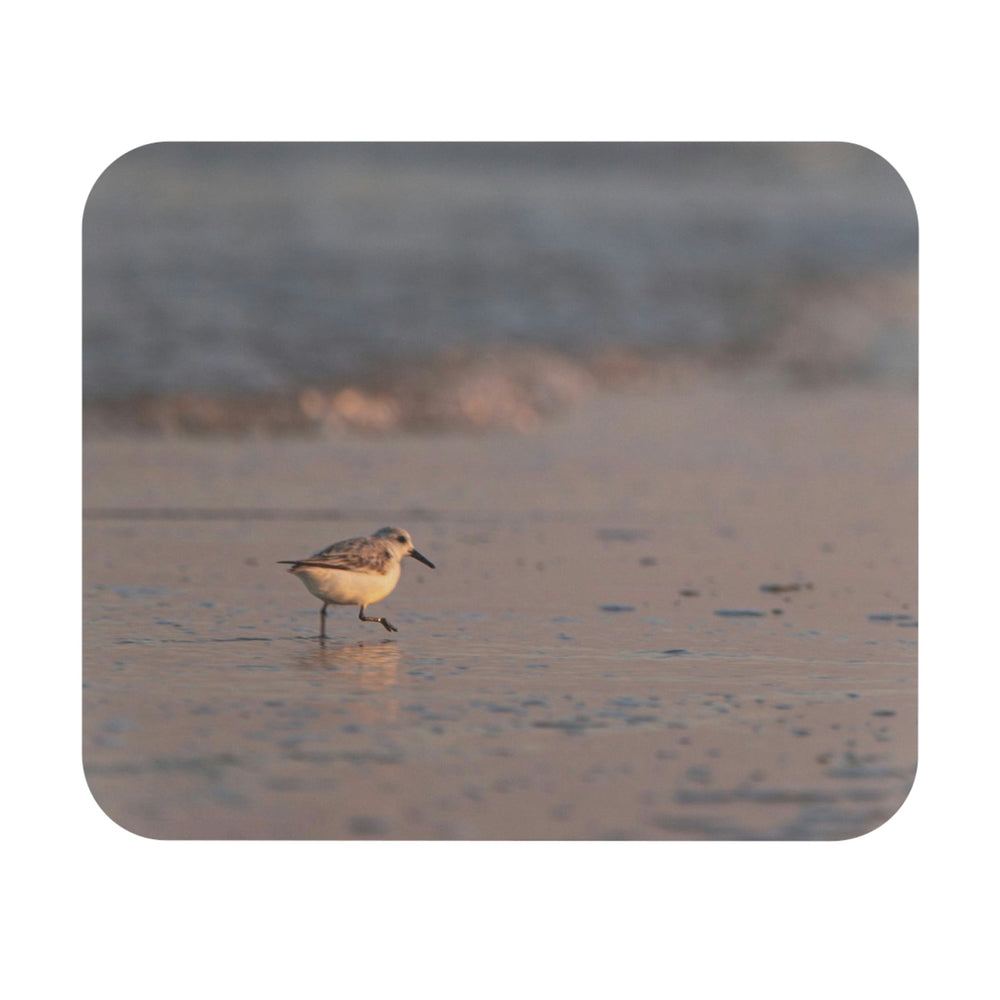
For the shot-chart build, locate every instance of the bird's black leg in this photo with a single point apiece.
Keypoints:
(384, 622)
(322, 621)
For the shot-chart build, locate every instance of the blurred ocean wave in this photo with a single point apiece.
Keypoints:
(289, 288)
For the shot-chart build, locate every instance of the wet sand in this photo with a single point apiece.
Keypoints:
(679, 615)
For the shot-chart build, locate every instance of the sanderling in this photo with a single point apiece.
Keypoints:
(357, 571)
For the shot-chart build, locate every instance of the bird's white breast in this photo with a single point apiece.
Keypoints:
(347, 587)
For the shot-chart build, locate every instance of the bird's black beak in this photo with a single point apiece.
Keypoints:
(416, 555)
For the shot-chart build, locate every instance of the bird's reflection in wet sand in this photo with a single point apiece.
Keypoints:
(354, 672)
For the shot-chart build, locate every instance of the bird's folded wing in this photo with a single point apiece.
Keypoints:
(336, 561)
(353, 555)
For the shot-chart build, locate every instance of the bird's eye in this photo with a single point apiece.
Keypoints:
(400, 538)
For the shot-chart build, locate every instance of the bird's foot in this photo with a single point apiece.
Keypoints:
(384, 622)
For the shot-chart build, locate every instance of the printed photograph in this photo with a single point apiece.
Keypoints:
(500, 491)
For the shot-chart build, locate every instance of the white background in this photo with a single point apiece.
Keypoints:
(94, 909)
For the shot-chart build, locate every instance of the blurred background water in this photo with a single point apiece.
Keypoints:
(296, 286)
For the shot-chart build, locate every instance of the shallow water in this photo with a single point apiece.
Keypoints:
(563, 673)
(521, 709)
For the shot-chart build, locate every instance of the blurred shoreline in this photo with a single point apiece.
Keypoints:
(317, 288)
(837, 334)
